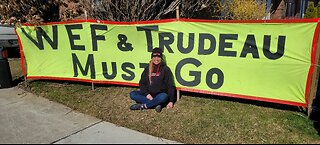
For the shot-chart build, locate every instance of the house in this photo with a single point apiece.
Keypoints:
(288, 9)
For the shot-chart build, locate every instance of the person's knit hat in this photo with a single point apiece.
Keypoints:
(156, 52)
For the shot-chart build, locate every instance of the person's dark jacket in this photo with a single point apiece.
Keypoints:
(163, 83)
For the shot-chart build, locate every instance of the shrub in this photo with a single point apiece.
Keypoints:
(318, 10)
(244, 9)
(311, 11)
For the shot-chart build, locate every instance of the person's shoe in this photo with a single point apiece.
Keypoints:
(136, 107)
(158, 108)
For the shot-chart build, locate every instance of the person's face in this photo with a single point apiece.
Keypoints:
(156, 60)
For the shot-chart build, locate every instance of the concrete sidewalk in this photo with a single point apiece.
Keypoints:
(26, 118)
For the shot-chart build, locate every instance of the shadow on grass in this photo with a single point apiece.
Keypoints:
(315, 112)
(246, 101)
(316, 125)
(207, 96)
(87, 84)
(17, 81)
(315, 117)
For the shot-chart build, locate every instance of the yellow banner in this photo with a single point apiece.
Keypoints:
(260, 61)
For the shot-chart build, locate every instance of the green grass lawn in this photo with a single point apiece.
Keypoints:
(196, 118)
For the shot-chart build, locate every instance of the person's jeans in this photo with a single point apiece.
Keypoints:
(139, 97)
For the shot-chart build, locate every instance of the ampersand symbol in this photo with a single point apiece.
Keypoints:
(122, 45)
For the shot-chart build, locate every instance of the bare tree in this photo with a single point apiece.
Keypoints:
(133, 10)
(138, 10)
(39, 11)
(200, 9)
(75, 9)
(30, 11)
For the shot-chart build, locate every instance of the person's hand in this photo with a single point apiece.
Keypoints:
(170, 105)
(149, 97)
